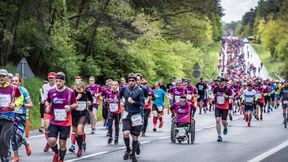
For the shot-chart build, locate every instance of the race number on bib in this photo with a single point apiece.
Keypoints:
(249, 99)
(136, 120)
(160, 108)
(60, 114)
(181, 132)
(82, 105)
(220, 99)
(113, 107)
(285, 102)
(5, 100)
(18, 110)
(125, 114)
(177, 98)
(189, 96)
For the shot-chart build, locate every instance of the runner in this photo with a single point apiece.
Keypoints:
(176, 92)
(222, 95)
(260, 91)
(192, 94)
(20, 120)
(46, 88)
(249, 97)
(10, 97)
(147, 107)
(133, 97)
(60, 101)
(114, 112)
(158, 105)
(284, 97)
(96, 92)
(201, 87)
(84, 100)
(41, 107)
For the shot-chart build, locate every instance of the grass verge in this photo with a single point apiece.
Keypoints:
(272, 65)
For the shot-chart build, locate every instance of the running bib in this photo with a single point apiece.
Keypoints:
(160, 108)
(249, 99)
(60, 114)
(189, 96)
(177, 98)
(201, 87)
(258, 95)
(181, 132)
(82, 105)
(285, 102)
(5, 100)
(220, 99)
(136, 120)
(18, 110)
(113, 107)
(125, 114)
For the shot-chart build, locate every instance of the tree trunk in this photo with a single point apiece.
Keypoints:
(82, 3)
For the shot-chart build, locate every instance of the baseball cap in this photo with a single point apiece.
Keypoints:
(51, 74)
(3, 72)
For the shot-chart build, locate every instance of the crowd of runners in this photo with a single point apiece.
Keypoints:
(129, 105)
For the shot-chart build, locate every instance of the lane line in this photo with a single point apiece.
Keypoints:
(88, 156)
(144, 142)
(269, 152)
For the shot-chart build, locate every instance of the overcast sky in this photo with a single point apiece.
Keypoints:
(235, 9)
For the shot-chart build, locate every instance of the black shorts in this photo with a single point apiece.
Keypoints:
(78, 119)
(146, 113)
(93, 106)
(230, 106)
(261, 105)
(272, 97)
(127, 125)
(42, 110)
(201, 98)
(284, 106)
(267, 98)
(249, 108)
(105, 112)
(63, 131)
(155, 108)
(223, 113)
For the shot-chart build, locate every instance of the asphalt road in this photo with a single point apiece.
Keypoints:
(265, 141)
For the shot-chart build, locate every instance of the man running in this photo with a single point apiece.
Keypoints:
(10, 97)
(222, 95)
(249, 97)
(147, 107)
(96, 92)
(46, 88)
(176, 93)
(133, 97)
(284, 97)
(201, 87)
(60, 101)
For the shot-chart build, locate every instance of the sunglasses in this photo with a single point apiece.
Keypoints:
(51, 78)
(2, 76)
(77, 83)
(131, 80)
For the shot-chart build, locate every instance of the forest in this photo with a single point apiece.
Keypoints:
(110, 38)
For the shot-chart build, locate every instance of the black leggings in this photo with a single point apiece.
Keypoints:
(146, 116)
(116, 118)
(6, 133)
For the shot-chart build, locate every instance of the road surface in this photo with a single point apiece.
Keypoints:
(265, 141)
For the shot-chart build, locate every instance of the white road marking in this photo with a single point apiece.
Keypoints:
(269, 152)
(88, 156)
